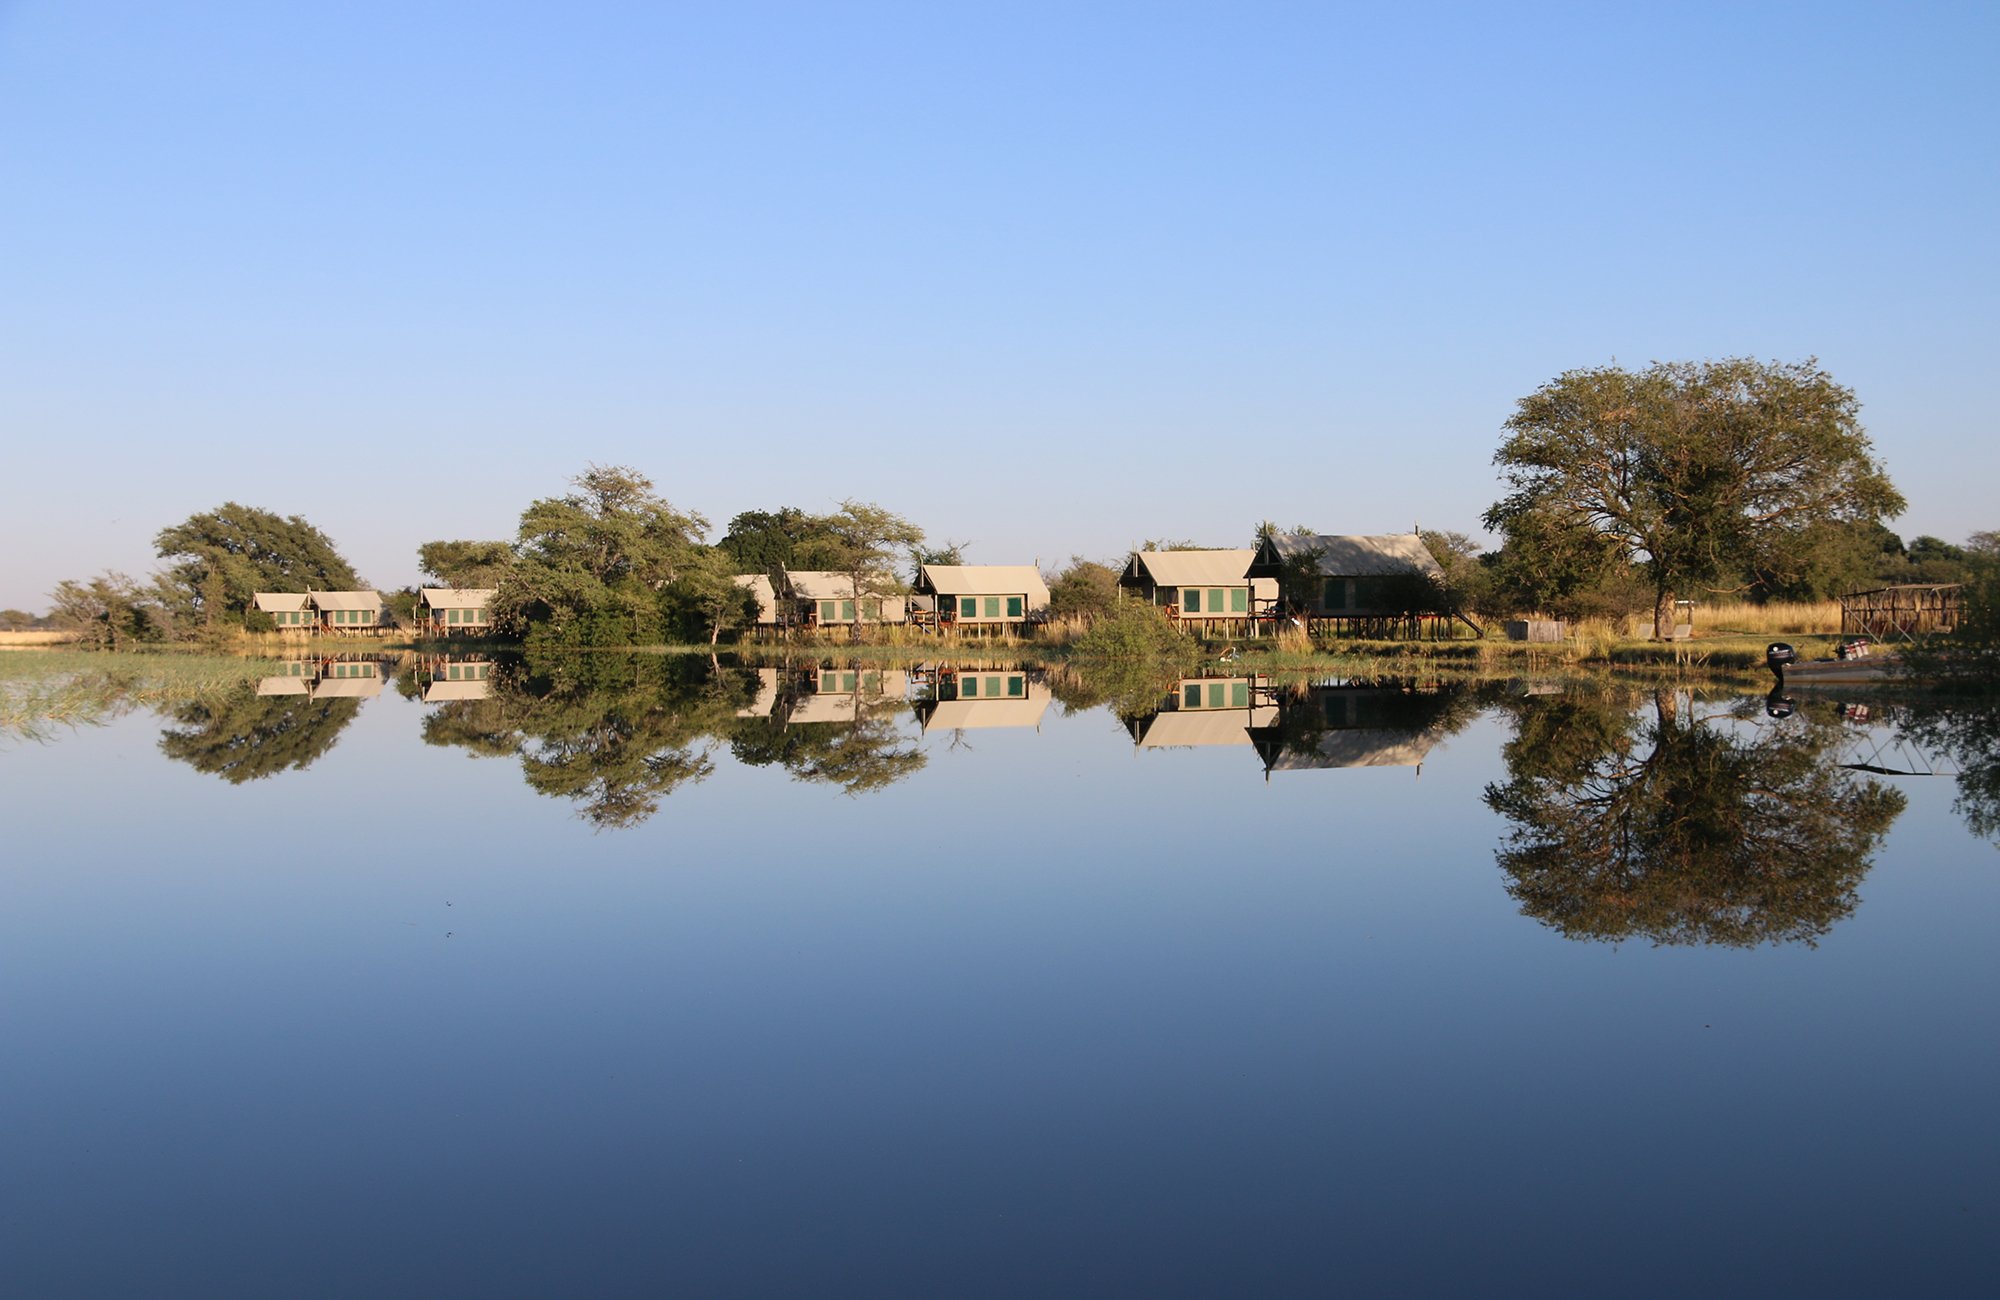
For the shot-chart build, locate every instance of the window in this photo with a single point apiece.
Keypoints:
(872, 608)
(1335, 595)
(993, 688)
(993, 607)
(1215, 600)
(847, 611)
(968, 687)
(1190, 696)
(826, 610)
(1215, 692)
(451, 616)
(968, 607)
(847, 682)
(1239, 600)
(828, 682)
(1239, 695)
(1014, 606)
(1016, 687)
(1191, 601)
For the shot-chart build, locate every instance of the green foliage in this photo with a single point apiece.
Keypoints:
(219, 559)
(765, 541)
(1968, 659)
(1137, 635)
(1681, 830)
(108, 612)
(465, 564)
(1468, 583)
(248, 737)
(1703, 471)
(1086, 589)
(705, 600)
(591, 564)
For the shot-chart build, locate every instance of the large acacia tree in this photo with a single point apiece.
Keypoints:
(590, 565)
(1701, 471)
(218, 559)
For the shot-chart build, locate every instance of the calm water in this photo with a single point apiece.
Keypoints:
(630, 977)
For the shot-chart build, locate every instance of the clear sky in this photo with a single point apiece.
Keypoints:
(1044, 278)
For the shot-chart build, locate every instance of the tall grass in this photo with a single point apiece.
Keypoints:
(41, 691)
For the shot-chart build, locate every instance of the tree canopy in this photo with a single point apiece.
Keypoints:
(591, 564)
(466, 564)
(218, 559)
(1701, 471)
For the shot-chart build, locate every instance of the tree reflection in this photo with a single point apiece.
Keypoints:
(617, 734)
(246, 736)
(1967, 731)
(1681, 828)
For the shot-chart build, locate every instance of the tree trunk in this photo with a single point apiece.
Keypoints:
(1663, 615)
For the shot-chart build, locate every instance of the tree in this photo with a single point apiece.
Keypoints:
(706, 596)
(1702, 470)
(219, 559)
(465, 564)
(108, 612)
(1086, 590)
(864, 542)
(592, 563)
(765, 541)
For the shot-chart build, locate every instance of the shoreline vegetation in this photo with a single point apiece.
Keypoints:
(1746, 498)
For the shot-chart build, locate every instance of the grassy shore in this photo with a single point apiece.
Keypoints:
(41, 690)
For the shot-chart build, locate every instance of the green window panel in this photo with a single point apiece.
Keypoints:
(968, 607)
(1335, 595)
(847, 682)
(1239, 600)
(1215, 694)
(1016, 687)
(968, 687)
(1191, 601)
(829, 682)
(827, 610)
(993, 607)
(847, 611)
(1190, 696)
(993, 688)
(871, 681)
(451, 616)
(872, 609)
(1215, 600)
(1239, 695)
(1014, 604)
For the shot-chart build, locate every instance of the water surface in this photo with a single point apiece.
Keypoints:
(642, 976)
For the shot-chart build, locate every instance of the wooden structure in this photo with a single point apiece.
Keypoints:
(455, 677)
(292, 611)
(1902, 612)
(1002, 597)
(344, 613)
(330, 677)
(1364, 585)
(823, 598)
(1206, 590)
(455, 611)
(847, 694)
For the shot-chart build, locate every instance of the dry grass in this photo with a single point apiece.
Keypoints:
(43, 691)
(1793, 617)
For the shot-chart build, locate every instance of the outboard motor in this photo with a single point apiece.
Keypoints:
(1776, 656)
(1778, 704)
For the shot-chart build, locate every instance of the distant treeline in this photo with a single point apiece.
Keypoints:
(1625, 491)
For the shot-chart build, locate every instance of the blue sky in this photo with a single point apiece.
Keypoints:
(1047, 279)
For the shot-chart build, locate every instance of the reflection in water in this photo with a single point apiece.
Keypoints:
(1682, 828)
(1302, 726)
(248, 735)
(963, 698)
(1965, 733)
